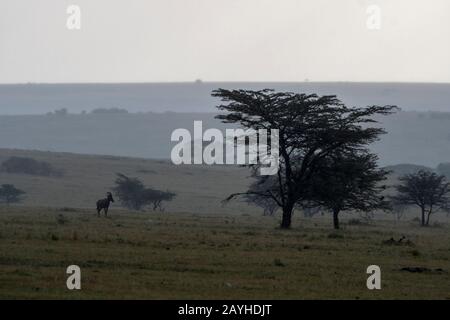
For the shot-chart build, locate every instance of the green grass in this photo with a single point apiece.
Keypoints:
(191, 256)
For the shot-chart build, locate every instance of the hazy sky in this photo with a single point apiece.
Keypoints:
(225, 40)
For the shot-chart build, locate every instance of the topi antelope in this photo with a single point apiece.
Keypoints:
(104, 204)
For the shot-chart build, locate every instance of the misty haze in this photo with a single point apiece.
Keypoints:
(116, 118)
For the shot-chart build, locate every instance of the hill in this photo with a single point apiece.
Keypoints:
(420, 138)
(85, 179)
(196, 96)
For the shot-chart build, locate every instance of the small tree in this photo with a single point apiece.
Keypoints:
(129, 191)
(134, 195)
(155, 198)
(10, 194)
(427, 190)
(348, 181)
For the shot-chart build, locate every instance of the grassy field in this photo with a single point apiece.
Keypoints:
(193, 256)
(199, 248)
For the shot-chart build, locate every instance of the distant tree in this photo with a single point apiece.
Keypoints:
(348, 181)
(310, 128)
(155, 198)
(129, 191)
(427, 190)
(10, 194)
(133, 194)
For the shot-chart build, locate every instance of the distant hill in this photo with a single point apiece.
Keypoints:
(420, 138)
(196, 96)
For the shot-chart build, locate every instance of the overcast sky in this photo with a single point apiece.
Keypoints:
(225, 40)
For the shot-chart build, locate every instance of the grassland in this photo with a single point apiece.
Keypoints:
(191, 256)
(198, 249)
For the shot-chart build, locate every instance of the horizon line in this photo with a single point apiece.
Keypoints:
(200, 81)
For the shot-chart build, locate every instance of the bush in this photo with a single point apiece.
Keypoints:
(29, 166)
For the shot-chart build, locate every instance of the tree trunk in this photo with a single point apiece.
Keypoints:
(423, 217)
(428, 218)
(336, 218)
(287, 216)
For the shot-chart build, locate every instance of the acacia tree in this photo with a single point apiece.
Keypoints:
(349, 181)
(425, 189)
(155, 198)
(310, 128)
(129, 191)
